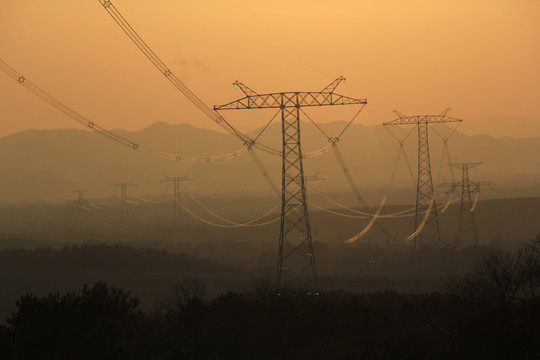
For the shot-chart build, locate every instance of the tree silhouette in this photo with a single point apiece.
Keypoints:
(99, 322)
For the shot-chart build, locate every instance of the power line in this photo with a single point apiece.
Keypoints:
(250, 223)
(175, 81)
(95, 127)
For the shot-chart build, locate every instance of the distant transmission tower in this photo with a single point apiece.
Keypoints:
(467, 232)
(81, 202)
(178, 215)
(311, 179)
(425, 194)
(296, 261)
(124, 203)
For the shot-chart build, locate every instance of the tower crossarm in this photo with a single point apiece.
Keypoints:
(245, 89)
(290, 100)
(450, 184)
(314, 177)
(482, 183)
(334, 84)
(467, 165)
(471, 183)
(422, 119)
(116, 184)
(176, 178)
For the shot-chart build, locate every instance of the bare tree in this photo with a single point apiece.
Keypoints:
(530, 269)
(500, 278)
(183, 294)
(493, 282)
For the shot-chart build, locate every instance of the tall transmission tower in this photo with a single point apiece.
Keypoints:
(124, 203)
(425, 195)
(296, 261)
(467, 232)
(178, 215)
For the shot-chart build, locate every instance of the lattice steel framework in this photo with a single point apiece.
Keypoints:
(425, 193)
(81, 202)
(124, 204)
(315, 178)
(296, 261)
(467, 232)
(178, 215)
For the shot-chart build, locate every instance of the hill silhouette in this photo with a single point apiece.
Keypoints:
(50, 164)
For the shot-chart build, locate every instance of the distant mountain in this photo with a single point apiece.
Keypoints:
(503, 127)
(50, 164)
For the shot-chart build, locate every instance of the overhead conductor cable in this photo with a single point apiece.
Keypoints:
(107, 133)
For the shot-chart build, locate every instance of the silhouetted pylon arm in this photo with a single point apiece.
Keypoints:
(334, 84)
(400, 115)
(290, 100)
(245, 89)
(422, 119)
(467, 165)
(445, 111)
(471, 183)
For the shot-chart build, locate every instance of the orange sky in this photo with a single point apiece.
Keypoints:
(419, 56)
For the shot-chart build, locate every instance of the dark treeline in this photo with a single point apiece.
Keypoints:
(491, 312)
(224, 266)
(147, 272)
(107, 258)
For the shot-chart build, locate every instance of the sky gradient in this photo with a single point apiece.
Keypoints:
(479, 57)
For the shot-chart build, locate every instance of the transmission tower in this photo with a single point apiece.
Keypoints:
(296, 261)
(80, 202)
(178, 216)
(467, 232)
(124, 203)
(312, 179)
(425, 195)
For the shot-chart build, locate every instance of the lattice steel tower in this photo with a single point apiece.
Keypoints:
(424, 185)
(124, 203)
(312, 179)
(178, 215)
(81, 202)
(296, 261)
(467, 226)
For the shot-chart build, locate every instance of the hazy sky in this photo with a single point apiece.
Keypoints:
(419, 56)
